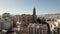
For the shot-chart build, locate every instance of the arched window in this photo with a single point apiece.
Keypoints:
(23, 19)
(28, 19)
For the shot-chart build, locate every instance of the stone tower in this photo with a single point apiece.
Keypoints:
(34, 15)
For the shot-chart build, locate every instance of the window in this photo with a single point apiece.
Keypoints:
(23, 19)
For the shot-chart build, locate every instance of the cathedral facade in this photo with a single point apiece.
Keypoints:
(26, 18)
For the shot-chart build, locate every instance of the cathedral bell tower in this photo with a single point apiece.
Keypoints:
(34, 15)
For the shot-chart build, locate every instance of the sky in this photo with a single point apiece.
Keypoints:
(26, 6)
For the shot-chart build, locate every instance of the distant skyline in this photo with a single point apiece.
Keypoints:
(26, 6)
